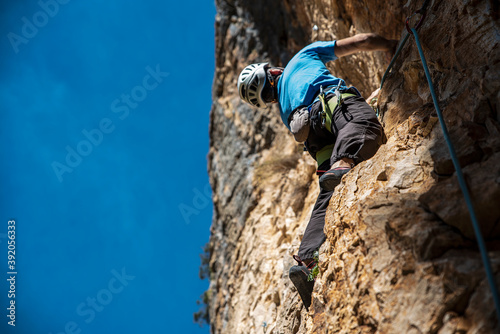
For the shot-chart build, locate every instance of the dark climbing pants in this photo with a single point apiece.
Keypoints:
(357, 134)
(314, 235)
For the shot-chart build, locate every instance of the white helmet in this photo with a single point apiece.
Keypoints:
(251, 83)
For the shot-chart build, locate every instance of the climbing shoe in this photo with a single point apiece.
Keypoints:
(331, 178)
(300, 275)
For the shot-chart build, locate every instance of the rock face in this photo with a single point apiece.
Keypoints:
(400, 255)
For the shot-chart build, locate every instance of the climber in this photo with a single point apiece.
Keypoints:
(338, 127)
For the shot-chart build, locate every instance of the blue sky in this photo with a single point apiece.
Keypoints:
(104, 130)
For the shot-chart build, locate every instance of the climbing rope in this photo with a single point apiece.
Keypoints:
(460, 176)
(393, 60)
(405, 39)
(461, 180)
(398, 51)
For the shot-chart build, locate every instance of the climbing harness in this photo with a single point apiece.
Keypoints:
(327, 107)
(326, 121)
(326, 115)
(461, 180)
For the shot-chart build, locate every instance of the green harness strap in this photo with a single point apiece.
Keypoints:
(328, 106)
(326, 120)
(326, 113)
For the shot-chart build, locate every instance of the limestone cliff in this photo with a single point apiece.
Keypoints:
(401, 255)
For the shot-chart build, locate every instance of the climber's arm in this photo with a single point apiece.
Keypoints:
(363, 42)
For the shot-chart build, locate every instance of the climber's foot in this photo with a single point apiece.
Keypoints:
(331, 178)
(299, 277)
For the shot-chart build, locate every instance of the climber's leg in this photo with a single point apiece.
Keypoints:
(358, 137)
(311, 241)
(314, 236)
(358, 132)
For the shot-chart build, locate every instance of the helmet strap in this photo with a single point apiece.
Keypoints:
(272, 81)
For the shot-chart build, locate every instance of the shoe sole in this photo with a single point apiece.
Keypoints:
(329, 184)
(298, 275)
(329, 181)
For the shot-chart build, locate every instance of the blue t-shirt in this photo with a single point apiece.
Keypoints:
(305, 73)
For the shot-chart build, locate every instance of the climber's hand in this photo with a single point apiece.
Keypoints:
(373, 97)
